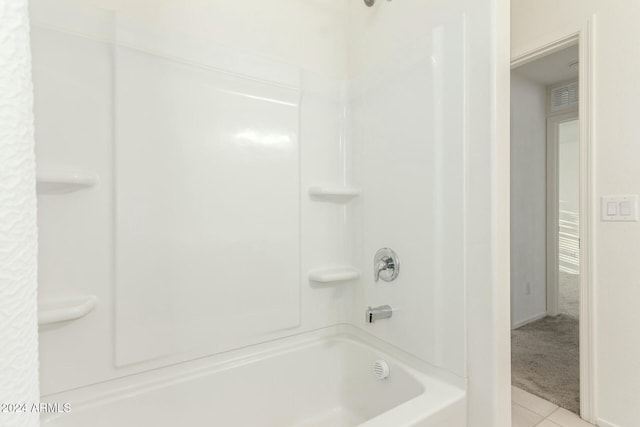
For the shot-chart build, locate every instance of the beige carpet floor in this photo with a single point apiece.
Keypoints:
(545, 360)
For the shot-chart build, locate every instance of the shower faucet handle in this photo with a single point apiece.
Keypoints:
(386, 265)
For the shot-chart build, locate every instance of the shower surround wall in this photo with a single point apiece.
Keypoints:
(430, 101)
(207, 125)
(407, 108)
(198, 236)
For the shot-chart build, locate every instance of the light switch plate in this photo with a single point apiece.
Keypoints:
(620, 208)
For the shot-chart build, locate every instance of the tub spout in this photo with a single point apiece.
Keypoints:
(382, 312)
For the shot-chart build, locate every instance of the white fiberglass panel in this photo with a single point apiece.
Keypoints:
(74, 67)
(408, 125)
(207, 207)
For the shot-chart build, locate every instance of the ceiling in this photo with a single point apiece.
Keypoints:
(552, 68)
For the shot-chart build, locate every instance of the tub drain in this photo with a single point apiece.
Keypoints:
(381, 369)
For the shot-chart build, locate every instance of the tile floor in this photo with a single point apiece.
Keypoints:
(528, 410)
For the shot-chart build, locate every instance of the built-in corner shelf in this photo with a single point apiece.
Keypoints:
(64, 181)
(334, 194)
(334, 274)
(63, 309)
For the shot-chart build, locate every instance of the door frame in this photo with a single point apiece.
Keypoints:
(584, 38)
(553, 207)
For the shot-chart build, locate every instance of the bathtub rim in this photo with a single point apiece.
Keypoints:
(104, 393)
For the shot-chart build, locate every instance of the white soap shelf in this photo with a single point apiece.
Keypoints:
(62, 309)
(334, 274)
(64, 181)
(335, 194)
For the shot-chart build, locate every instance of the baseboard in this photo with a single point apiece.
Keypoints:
(529, 320)
(603, 423)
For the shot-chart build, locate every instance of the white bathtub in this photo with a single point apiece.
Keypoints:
(314, 380)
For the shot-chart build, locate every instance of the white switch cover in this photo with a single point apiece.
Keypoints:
(620, 208)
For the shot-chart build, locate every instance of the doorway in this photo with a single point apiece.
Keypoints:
(545, 227)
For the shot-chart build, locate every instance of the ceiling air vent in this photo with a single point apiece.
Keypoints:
(564, 97)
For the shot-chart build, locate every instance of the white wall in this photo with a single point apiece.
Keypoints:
(408, 145)
(425, 135)
(528, 199)
(80, 79)
(409, 163)
(252, 27)
(18, 230)
(616, 252)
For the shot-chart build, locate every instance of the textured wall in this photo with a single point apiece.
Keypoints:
(18, 235)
